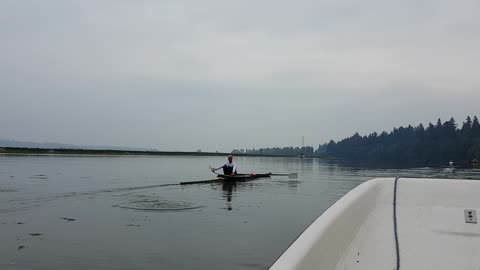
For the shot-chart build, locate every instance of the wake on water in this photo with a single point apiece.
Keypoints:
(152, 204)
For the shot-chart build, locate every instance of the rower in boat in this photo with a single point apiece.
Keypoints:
(229, 168)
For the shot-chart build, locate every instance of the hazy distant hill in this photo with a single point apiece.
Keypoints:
(13, 143)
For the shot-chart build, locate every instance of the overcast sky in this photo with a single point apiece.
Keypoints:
(217, 74)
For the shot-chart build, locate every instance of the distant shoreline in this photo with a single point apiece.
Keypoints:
(66, 151)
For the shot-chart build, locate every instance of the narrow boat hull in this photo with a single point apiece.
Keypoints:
(243, 177)
(230, 178)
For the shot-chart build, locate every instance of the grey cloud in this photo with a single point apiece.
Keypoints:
(182, 75)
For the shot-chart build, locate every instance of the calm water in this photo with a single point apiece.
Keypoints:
(66, 212)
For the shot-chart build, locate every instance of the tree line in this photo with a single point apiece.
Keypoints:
(279, 151)
(433, 145)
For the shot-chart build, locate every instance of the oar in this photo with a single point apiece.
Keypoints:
(290, 175)
(210, 168)
(202, 181)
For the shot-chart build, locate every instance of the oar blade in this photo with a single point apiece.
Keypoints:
(293, 175)
(290, 175)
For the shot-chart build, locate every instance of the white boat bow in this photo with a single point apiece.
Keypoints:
(419, 224)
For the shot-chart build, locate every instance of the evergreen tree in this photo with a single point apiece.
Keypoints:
(475, 127)
(467, 124)
(466, 130)
(450, 128)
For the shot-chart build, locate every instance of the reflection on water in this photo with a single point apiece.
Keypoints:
(7, 189)
(228, 189)
(130, 212)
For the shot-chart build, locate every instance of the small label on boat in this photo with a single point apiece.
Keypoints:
(470, 216)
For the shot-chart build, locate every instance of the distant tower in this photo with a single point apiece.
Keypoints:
(303, 147)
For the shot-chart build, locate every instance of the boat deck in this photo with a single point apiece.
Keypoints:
(427, 228)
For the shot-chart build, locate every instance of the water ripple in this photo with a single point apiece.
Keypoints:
(156, 204)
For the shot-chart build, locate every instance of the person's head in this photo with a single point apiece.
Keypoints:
(230, 158)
